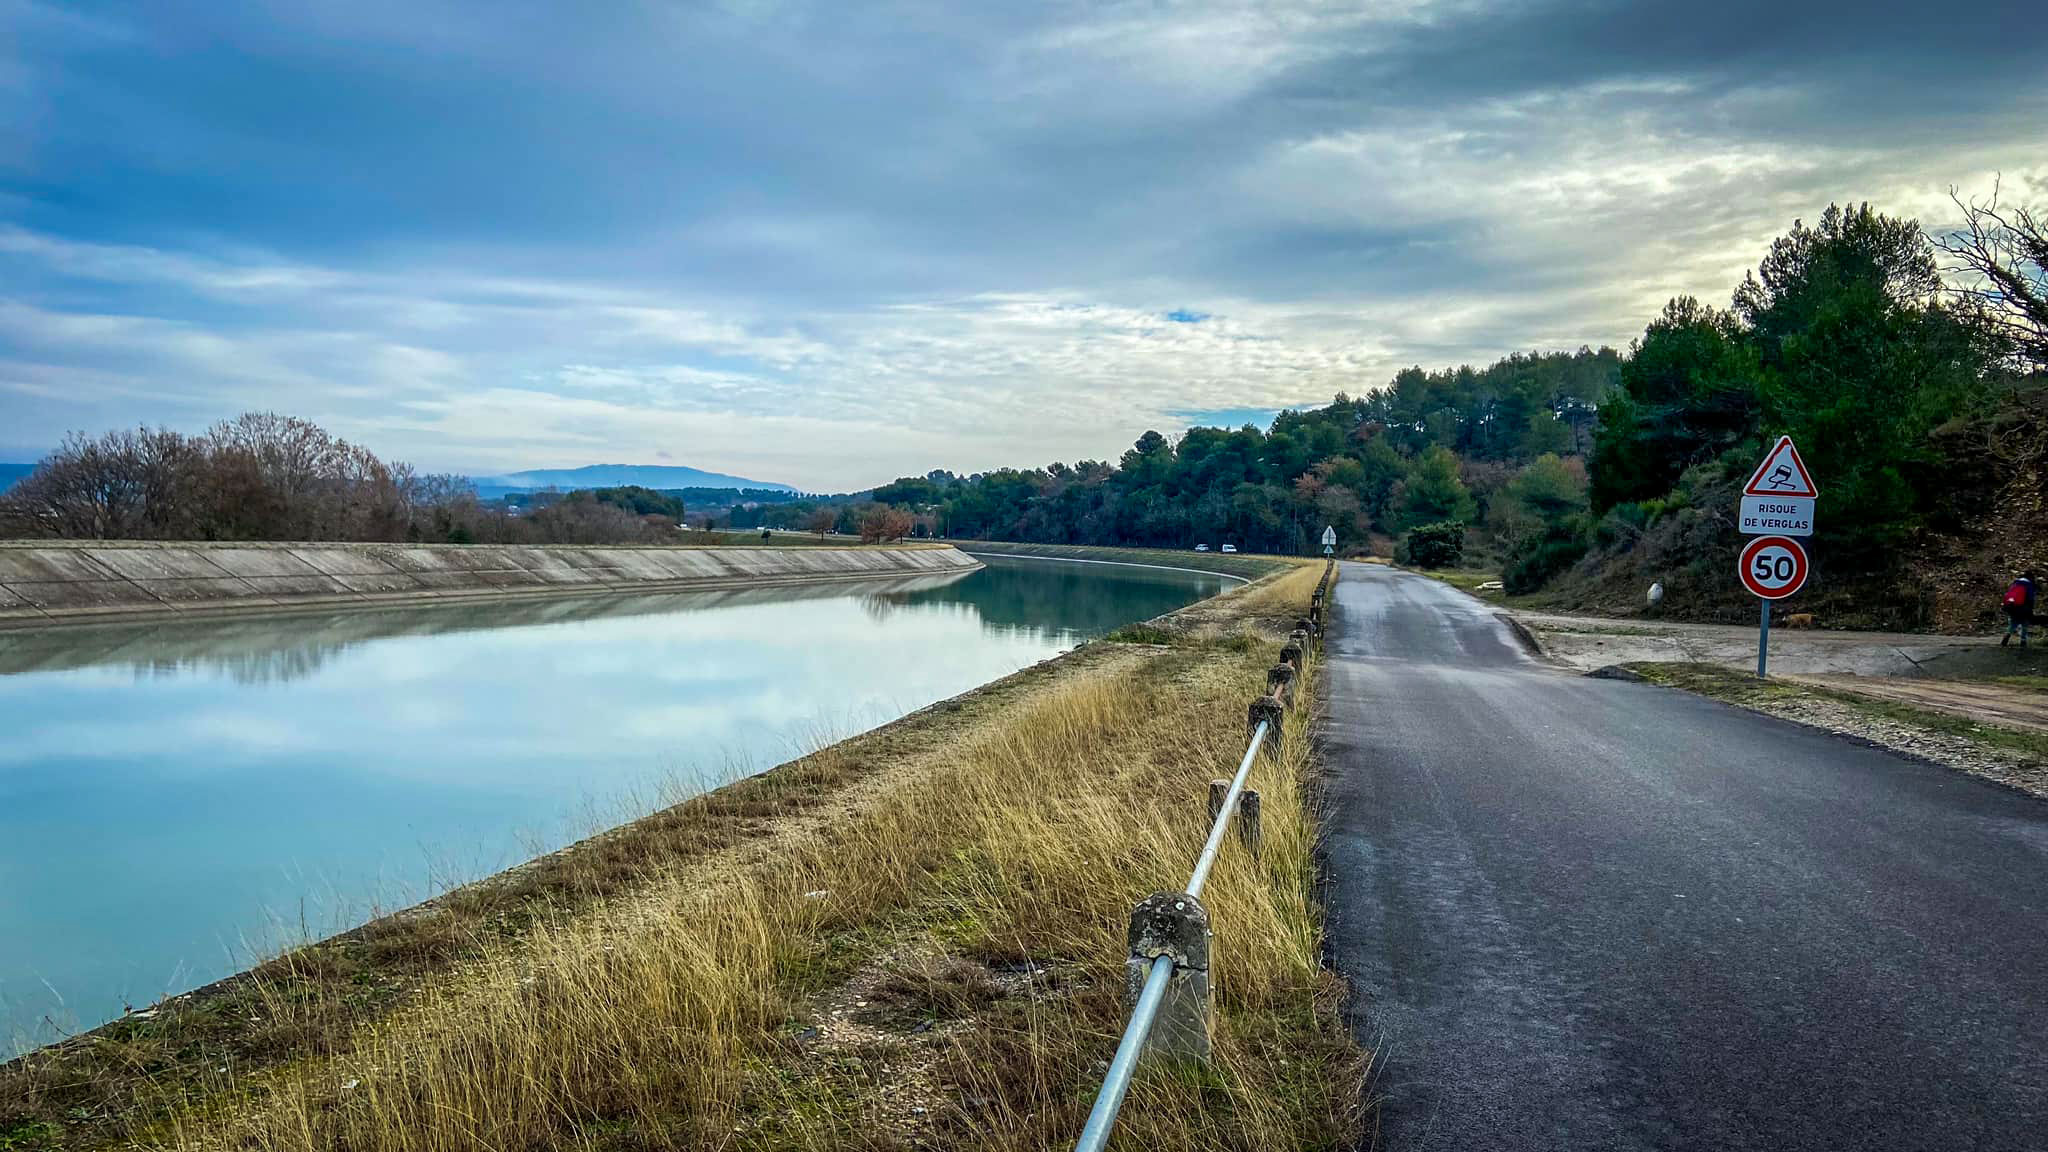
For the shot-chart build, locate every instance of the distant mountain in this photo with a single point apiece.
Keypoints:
(657, 476)
(9, 473)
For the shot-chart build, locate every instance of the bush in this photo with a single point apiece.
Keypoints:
(1439, 545)
(1532, 564)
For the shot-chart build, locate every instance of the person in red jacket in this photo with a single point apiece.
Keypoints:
(2018, 607)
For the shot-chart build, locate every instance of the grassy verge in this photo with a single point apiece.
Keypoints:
(912, 939)
(1467, 580)
(1745, 690)
(1231, 564)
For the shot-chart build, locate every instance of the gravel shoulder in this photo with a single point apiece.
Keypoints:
(1878, 713)
(1961, 701)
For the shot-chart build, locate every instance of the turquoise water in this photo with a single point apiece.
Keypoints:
(178, 798)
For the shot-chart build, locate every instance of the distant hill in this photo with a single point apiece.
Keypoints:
(9, 473)
(657, 476)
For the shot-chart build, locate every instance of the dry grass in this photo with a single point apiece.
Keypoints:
(670, 1014)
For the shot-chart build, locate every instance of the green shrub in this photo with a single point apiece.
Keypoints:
(1438, 545)
(1532, 564)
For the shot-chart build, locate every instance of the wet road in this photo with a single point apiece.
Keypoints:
(1592, 914)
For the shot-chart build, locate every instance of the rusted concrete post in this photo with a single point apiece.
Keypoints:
(1248, 826)
(1279, 679)
(1219, 790)
(1173, 924)
(1271, 711)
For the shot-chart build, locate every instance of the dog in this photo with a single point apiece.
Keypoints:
(1799, 620)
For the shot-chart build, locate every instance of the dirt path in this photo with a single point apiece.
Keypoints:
(1589, 642)
(1999, 704)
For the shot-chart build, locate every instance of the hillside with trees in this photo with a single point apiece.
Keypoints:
(1909, 369)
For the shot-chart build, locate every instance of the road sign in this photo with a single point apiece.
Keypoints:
(1782, 473)
(1776, 516)
(1773, 567)
(1329, 537)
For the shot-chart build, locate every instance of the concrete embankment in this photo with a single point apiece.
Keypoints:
(47, 582)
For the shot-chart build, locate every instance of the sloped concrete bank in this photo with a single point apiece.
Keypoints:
(54, 582)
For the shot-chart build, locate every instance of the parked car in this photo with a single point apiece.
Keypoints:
(1230, 547)
(1201, 547)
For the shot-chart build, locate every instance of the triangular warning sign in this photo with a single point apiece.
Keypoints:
(1782, 473)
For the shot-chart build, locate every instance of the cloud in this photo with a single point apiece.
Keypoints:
(828, 244)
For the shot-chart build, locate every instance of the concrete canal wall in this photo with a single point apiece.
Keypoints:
(44, 582)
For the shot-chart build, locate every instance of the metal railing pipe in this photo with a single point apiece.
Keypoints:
(1208, 858)
(1102, 1117)
(1117, 1082)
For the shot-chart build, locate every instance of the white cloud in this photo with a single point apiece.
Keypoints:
(827, 245)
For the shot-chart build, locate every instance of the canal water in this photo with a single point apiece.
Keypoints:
(177, 798)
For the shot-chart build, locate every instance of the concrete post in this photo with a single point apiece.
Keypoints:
(1218, 790)
(1248, 826)
(1271, 711)
(1304, 624)
(1290, 655)
(1173, 924)
(1280, 678)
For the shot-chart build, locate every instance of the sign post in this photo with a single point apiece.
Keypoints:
(1329, 541)
(1777, 505)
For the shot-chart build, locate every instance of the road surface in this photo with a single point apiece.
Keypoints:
(1589, 914)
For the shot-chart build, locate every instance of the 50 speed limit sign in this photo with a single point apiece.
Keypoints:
(1773, 567)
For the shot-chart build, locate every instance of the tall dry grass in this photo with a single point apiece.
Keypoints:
(662, 1018)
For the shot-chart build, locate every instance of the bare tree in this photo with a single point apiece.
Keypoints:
(1998, 262)
(124, 484)
(262, 476)
(821, 521)
(882, 523)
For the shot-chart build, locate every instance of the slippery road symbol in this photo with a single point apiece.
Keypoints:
(1782, 473)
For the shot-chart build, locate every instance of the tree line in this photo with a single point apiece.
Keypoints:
(262, 476)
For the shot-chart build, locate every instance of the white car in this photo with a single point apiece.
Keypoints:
(1230, 547)
(1201, 547)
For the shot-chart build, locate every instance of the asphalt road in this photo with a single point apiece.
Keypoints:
(1589, 914)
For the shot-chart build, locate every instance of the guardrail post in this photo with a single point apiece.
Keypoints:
(1269, 710)
(1278, 678)
(1290, 655)
(1248, 826)
(1218, 791)
(1175, 925)
(1304, 624)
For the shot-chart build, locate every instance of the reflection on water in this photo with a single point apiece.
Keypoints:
(262, 648)
(175, 795)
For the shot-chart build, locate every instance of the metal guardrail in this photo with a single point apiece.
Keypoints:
(1264, 720)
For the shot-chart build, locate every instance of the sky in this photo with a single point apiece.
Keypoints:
(831, 243)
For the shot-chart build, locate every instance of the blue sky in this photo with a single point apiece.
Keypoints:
(826, 244)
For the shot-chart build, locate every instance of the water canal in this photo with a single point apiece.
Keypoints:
(179, 797)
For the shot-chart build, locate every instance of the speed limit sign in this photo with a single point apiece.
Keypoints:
(1773, 567)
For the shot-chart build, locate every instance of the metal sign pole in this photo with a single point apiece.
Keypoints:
(1763, 639)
